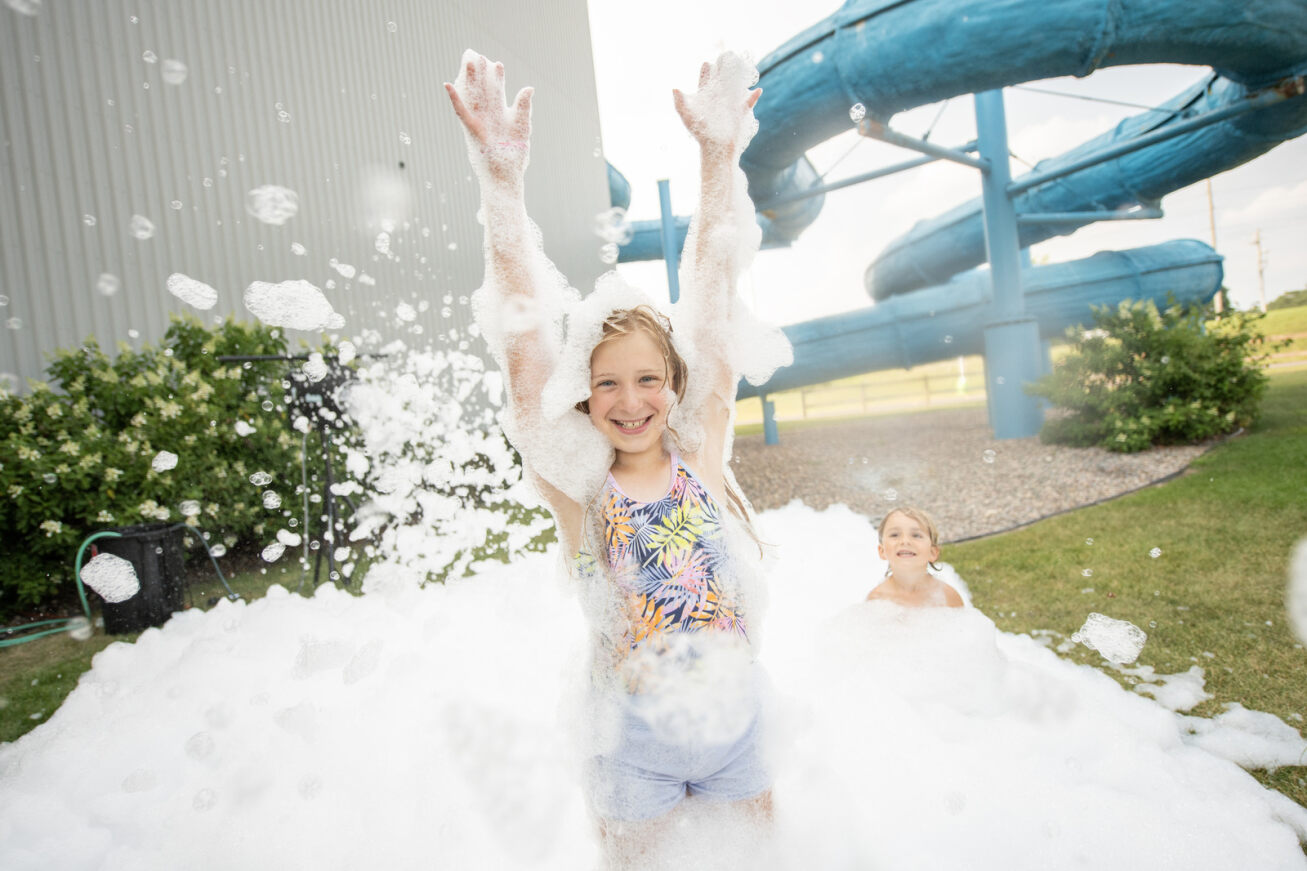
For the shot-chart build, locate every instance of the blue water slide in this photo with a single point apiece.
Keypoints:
(892, 55)
(942, 322)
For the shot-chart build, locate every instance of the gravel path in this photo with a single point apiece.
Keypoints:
(946, 462)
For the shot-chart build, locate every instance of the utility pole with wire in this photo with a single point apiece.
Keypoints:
(1261, 270)
(1218, 303)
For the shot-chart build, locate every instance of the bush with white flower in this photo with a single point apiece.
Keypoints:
(76, 453)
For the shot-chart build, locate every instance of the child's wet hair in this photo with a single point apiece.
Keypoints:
(921, 517)
(654, 324)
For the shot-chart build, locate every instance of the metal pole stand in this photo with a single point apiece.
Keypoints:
(1013, 351)
(1013, 356)
(770, 434)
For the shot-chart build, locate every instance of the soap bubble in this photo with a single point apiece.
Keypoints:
(891, 495)
(1155, 552)
(405, 313)
(1088, 573)
(14, 323)
(405, 139)
(297, 305)
(89, 220)
(989, 456)
(200, 745)
(314, 368)
(272, 204)
(260, 479)
(612, 225)
(141, 227)
(190, 508)
(164, 461)
(192, 292)
(113, 577)
(608, 253)
(218, 550)
(818, 57)
(297, 249)
(857, 112)
(243, 429)
(948, 340)
(204, 800)
(174, 71)
(79, 628)
(271, 499)
(273, 552)
(1089, 541)
(150, 57)
(288, 538)
(175, 205)
(25, 7)
(49, 477)
(1119, 641)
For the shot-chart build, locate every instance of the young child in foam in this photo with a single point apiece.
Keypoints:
(623, 418)
(909, 542)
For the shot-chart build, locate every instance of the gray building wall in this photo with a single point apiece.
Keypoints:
(324, 97)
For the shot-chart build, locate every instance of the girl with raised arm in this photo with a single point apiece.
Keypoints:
(624, 427)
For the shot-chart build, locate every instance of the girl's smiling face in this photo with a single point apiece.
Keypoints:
(905, 545)
(629, 398)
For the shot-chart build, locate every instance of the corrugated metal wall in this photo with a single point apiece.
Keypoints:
(337, 100)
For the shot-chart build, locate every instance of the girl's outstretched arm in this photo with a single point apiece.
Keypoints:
(520, 306)
(499, 145)
(723, 236)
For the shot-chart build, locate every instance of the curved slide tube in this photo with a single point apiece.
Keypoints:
(892, 55)
(939, 247)
(942, 322)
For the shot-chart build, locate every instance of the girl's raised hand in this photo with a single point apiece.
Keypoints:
(500, 132)
(720, 113)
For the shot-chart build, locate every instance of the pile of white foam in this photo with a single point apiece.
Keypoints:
(420, 728)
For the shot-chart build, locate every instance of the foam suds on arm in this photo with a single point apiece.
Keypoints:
(726, 340)
(522, 305)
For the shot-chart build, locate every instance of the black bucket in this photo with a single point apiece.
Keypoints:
(155, 552)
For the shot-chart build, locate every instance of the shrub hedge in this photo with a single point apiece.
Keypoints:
(1145, 377)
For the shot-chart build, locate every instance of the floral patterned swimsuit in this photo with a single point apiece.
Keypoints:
(667, 559)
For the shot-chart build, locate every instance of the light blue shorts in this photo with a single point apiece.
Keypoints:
(645, 775)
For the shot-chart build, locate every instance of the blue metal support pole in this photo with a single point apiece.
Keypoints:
(770, 434)
(878, 130)
(671, 256)
(1013, 355)
(1081, 217)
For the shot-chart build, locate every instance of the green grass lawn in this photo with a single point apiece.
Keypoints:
(1215, 596)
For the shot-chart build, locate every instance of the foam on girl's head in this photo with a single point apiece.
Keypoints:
(570, 382)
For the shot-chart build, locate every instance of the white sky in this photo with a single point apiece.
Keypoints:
(642, 51)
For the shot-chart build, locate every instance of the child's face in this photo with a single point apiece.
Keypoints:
(628, 395)
(905, 544)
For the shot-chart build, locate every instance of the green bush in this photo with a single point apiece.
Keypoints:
(1143, 377)
(79, 458)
